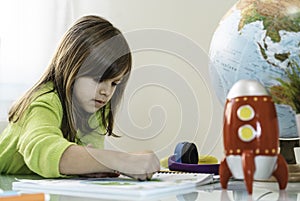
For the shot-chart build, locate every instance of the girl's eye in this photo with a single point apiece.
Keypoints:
(115, 83)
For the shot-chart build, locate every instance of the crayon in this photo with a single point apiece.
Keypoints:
(24, 197)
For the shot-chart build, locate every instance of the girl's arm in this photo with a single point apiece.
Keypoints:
(86, 160)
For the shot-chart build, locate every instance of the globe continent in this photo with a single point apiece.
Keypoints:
(257, 39)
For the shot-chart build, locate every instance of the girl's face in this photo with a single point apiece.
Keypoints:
(92, 94)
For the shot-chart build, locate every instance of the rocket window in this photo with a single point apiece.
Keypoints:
(246, 133)
(245, 113)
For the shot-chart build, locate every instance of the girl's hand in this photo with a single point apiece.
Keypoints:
(140, 166)
(80, 160)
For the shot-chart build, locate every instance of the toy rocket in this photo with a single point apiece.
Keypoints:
(251, 133)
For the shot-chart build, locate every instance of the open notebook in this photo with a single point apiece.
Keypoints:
(162, 183)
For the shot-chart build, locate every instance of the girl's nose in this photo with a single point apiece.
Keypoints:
(104, 89)
(103, 92)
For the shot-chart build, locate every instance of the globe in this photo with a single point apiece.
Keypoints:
(257, 39)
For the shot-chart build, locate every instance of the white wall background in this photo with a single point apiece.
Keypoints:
(29, 33)
(169, 98)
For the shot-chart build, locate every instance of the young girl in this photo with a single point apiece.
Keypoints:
(58, 127)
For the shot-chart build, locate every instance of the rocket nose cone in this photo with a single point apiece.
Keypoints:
(247, 88)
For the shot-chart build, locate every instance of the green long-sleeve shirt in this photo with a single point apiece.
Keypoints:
(35, 143)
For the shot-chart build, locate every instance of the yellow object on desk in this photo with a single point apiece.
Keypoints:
(207, 159)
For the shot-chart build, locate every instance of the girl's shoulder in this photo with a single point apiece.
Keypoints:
(45, 104)
(47, 96)
(46, 91)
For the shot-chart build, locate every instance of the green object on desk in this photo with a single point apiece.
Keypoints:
(6, 180)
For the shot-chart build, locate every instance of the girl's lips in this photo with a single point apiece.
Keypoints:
(99, 103)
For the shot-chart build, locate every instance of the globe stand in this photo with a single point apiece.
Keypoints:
(287, 149)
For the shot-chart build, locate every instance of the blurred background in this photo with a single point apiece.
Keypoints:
(169, 98)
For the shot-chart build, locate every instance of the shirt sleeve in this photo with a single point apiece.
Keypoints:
(41, 142)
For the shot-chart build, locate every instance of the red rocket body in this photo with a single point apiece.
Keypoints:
(251, 137)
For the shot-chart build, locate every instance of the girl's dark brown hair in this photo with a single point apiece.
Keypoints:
(92, 47)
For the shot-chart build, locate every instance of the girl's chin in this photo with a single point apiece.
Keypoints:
(91, 110)
(93, 107)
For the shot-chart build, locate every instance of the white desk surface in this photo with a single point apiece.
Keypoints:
(262, 191)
